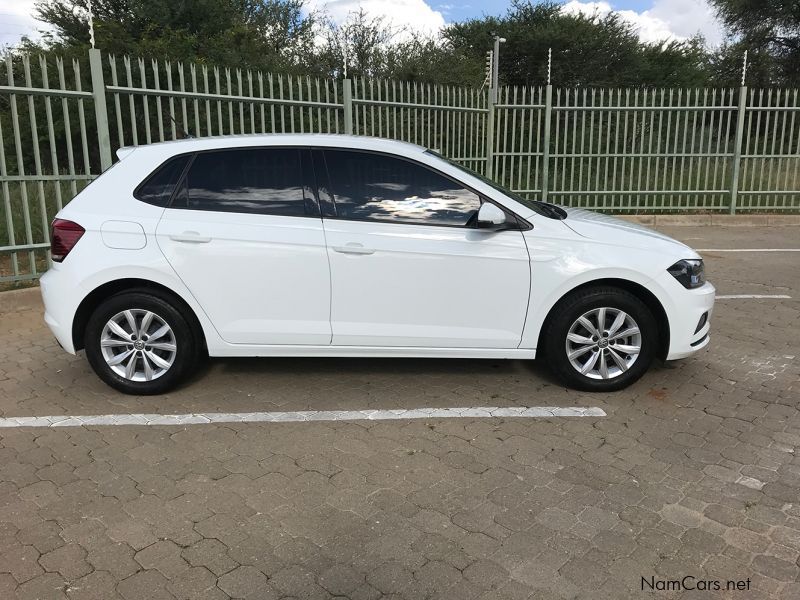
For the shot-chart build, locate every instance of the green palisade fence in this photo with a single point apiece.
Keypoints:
(615, 150)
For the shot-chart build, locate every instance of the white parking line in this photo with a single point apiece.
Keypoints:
(754, 296)
(748, 249)
(306, 416)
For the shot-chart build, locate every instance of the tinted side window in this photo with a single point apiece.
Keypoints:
(157, 189)
(266, 181)
(369, 186)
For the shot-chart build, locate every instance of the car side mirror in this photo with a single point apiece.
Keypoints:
(492, 218)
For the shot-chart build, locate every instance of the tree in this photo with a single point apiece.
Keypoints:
(587, 50)
(360, 46)
(273, 34)
(770, 31)
(371, 47)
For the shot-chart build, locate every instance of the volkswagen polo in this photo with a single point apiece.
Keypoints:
(327, 245)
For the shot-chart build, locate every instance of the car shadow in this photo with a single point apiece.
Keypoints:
(371, 366)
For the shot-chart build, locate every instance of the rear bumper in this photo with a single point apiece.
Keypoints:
(57, 295)
(688, 333)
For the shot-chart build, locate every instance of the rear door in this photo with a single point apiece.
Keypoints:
(244, 234)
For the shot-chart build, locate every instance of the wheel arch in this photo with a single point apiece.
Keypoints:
(111, 288)
(638, 290)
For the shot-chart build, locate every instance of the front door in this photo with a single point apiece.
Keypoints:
(408, 269)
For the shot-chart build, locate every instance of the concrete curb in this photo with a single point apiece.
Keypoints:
(707, 220)
(24, 299)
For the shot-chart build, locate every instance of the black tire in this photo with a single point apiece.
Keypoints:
(569, 309)
(186, 352)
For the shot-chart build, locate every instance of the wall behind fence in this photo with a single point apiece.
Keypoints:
(620, 150)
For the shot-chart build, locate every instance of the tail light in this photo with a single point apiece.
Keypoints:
(63, 237)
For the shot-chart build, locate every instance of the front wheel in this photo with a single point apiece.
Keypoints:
(600, 339)
(138, 343)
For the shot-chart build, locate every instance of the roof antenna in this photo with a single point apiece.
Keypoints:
(186, 134)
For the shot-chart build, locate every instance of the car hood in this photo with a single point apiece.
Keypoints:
(608, 229)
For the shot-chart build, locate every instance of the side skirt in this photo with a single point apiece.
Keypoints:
(372, 352)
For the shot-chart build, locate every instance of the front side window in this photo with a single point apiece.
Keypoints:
(255, 180)
(377, 187)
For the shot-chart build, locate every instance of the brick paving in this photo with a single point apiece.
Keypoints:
(694, 471)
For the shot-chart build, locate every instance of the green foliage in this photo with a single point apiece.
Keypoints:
(587, 50)
(273, 34)
(770, 31)
(285, 36)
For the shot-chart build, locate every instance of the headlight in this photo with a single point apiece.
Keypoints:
(690, 272)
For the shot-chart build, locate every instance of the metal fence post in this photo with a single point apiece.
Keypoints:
(737, 150)
(347, 95)
(100, 109)
(490, 134)
(548, 110)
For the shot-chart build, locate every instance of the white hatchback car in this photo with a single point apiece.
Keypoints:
(327, 245)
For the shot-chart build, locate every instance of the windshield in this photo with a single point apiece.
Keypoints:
(543, 208)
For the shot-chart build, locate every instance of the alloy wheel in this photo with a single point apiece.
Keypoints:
(138, 345)
(603, 343)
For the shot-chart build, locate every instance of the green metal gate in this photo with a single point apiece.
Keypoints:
(621, 150)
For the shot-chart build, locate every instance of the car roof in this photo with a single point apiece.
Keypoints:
(332, 140)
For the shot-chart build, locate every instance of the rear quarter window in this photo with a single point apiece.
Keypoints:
(157, 189)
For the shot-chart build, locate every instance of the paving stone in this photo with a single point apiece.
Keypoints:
(48, 586)
(746, 540)
(163, 556)
(7, 585)
(211, 554)
(144, 585)
(44, 536)
(296, 582)
(256, 551)
(98, 585)
(246, 582)
(21, 563)
(391, 578)
(486, 574)
(115, 558)
(776, 568)
(692, 469)
(680, 515)
(68, 560)
(196, 583)
(557, 519)
(724, 514)
(341, 580)
(136, 535)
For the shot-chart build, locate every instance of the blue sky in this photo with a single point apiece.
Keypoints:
(654, 19)
(455, 11)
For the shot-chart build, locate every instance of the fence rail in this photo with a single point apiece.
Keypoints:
(621, 150)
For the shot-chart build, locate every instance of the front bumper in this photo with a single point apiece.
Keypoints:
(687, 334)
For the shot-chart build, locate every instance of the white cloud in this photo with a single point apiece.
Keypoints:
(16, 20)
(666, 20)
(414, 15)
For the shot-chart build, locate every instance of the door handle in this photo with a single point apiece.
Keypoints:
(190, 237)
(353, 248)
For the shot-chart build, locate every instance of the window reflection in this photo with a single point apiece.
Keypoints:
(376, 187)
(158, 188)
(264, 181)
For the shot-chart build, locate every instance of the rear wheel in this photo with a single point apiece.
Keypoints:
(600, 339)
(139, 343)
